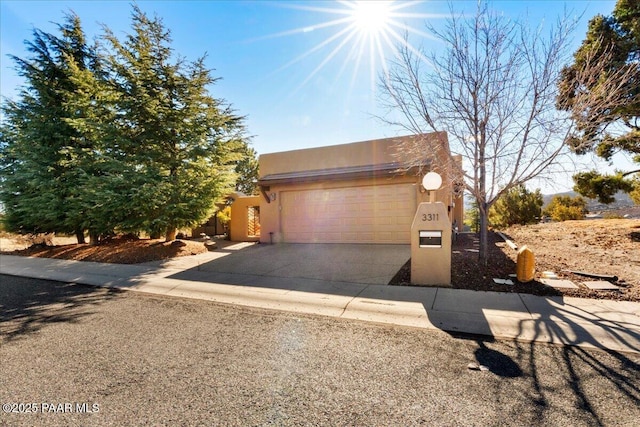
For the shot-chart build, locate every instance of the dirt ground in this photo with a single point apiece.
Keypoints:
(610, 247)
(607, 247)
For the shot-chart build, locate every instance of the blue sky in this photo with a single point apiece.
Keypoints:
(295, 91)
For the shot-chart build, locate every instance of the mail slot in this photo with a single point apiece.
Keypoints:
(430, 239)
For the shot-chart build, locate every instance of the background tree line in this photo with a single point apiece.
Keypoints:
(120, 135)
(519, 206)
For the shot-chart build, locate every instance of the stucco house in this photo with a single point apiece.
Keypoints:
(245, 219)
(244, 224)
(362, 192)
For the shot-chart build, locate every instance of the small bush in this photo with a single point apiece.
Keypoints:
(565, 208)
(516, 206)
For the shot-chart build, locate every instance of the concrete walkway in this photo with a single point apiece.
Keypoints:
(567, 321)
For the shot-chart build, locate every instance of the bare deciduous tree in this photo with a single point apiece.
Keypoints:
(493, 90)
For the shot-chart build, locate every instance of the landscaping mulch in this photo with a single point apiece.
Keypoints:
(608, 247)
(118, 250)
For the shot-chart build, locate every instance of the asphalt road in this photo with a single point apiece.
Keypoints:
(78, 355)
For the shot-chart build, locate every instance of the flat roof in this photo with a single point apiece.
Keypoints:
(341, 173)
(347, 158)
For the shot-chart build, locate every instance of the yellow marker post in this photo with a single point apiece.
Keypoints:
(525, 265)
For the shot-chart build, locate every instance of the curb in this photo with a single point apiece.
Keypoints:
(607, 325)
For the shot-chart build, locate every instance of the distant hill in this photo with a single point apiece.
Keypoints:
(623, 206)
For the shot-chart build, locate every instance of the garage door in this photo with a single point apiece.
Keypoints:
(372, 214)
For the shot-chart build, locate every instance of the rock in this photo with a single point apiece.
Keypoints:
(476, 367)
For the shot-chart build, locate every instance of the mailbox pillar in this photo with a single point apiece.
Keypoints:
(431, 245)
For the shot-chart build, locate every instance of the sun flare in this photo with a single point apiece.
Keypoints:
(371, 17)
(364, 33)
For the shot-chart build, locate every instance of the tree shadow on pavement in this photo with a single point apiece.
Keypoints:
(576, 366)
(497, 362)
(27, 305)
(552, 377)
(560, 323)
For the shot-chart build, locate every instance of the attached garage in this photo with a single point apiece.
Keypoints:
(351, 193)
(366, 214)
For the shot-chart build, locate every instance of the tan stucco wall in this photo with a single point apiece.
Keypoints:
(363, 153)
(431, 265)
(338, 156)
(239, 218)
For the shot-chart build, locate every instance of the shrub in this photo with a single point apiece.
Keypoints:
(472, 217)
(516, 206)
(564, 208)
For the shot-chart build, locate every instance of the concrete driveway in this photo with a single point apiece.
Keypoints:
(352, 263)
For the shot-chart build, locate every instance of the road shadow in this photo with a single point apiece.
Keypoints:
(575, 328)
(497, 362)
(27, 305)
(547, 371)
(576, 366)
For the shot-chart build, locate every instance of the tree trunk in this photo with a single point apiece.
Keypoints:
(170, 235)
(94, 238)
(80, 237)
(482, 186)
(483, 252)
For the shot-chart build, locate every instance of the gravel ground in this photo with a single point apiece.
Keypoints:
(150, 360)
(603, 246)
(607, 246)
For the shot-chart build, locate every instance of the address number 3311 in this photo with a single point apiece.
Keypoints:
(430, 217)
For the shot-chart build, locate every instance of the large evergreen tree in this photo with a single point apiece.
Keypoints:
(182, 143)
(40, 148)
(119, 137)
(101, 198)
(247, 171)
(601, 89)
